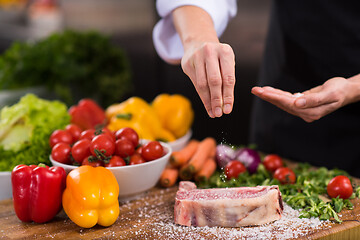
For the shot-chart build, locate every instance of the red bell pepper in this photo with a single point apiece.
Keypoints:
(37, 192)
(87, 114)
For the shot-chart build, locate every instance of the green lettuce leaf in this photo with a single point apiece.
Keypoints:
(25, 129)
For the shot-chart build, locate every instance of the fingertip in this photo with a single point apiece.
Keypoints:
(227, 108)
(257, 90)
(300, 102)
(218, 112)
(210, 113)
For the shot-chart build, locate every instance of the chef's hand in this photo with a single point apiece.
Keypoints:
(208, 63)
(211, 68)
(315, 103)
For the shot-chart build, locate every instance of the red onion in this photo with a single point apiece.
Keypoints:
(224, 154)
(249, 157)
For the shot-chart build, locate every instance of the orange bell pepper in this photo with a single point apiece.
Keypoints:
(175, 113)
(91, 196)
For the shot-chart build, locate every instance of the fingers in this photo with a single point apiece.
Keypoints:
(201, 86)
(277, 97)
(310, 106)
(211, 68)
(312, 98)
(315, 99)
(227, 67)
(277, 91)
(260, 90)
(214, 81)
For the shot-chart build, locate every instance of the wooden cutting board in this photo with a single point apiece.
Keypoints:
(151, 217)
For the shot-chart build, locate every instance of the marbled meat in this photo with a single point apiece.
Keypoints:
(227, 207)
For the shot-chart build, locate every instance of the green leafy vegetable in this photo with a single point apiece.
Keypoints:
(72, 64)
(306, 194)
(25, 129)
(357, 192)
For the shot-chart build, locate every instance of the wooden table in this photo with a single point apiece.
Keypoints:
(150, 217)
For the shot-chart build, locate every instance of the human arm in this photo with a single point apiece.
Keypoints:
(316, 102)
(209, 64)
(167, 41)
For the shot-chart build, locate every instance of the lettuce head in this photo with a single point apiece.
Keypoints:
(25, 128)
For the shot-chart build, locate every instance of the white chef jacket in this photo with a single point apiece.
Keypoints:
(166, 40)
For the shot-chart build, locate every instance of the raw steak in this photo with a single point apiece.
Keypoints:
(227, 207)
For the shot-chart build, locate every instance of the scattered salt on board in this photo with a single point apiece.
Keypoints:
(162, 226)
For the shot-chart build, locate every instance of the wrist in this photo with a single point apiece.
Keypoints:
(354, 94)
(197, 41)
(194, 26)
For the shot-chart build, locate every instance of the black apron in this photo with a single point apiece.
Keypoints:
(308, 43)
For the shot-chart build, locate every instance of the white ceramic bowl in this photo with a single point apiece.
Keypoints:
(134, 179)
(5, 185)
(180, 142)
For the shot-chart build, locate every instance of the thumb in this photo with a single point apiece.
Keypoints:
(300, 102)
(311, 100)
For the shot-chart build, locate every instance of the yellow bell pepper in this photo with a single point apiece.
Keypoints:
(175, 113)
(91, 196)
(139, 115)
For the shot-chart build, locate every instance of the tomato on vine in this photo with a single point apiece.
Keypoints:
(103, 145)
(90, 160)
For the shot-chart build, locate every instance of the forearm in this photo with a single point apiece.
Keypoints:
(354, 92)
(194, 25)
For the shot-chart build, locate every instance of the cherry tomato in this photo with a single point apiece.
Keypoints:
(124, 147)
(129, 134)
(74, 130)
(138, 150)
(272, 162)
(152, 150)
(94, 163)
(102, 143)
(136, 159)
(109, 133)
(233, 169)
(285, 175)
(340, 186)
(89, 134)
(115, 161)
(61, 153)
(81, 150)
(60, 136)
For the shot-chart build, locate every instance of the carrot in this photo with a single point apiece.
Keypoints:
(204, 150)
(169, 177)
(179, 158)
(213, 152)
(206, 171)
